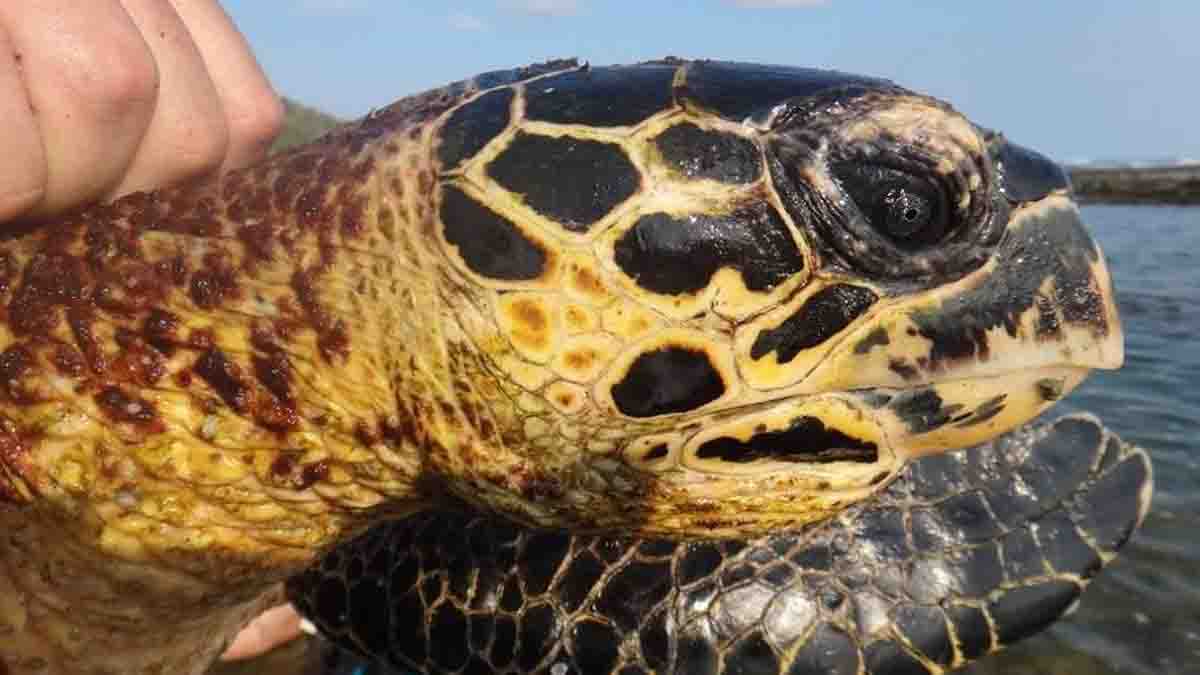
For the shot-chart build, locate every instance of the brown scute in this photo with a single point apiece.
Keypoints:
(313, 473)
(530, 324)
(50, 282)
(333, 339)
(226, 379)
(160, 330)
(120, 406)
(216, 283)
(15, 363)
(138, 363)
(580, 360)
(565, 399)
(14, 459)
(8, 271)
(259, 241)
(68, 361)
(275, 373)
(128, 291)
(81, 319)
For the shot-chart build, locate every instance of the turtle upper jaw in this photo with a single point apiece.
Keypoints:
(957, 365)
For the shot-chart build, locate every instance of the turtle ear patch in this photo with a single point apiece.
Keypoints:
(572, 181)
(669, 379)
(822, 316)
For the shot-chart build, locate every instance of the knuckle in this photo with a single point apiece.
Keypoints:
(202, 148)
(126, 78)
(256, 120)
(19, 199)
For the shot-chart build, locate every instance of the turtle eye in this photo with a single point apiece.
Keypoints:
(909, 210)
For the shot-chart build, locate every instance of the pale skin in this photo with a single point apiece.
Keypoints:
(107, 97)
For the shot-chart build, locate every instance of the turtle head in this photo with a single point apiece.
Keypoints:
(799, 281)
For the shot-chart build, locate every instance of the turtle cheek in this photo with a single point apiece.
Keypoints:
(782, 347)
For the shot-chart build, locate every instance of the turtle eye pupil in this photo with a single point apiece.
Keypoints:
(902, 213)
(907, 208)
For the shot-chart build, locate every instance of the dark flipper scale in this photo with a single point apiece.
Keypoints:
(963, 554)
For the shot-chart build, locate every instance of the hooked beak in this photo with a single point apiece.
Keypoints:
(995, 349)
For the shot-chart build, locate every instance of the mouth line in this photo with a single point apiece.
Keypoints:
(887, 390)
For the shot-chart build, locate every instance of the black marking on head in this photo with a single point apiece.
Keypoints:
(1053, 246)
(491, 245)
(922, 410)
(1050, 388)
(878, 337)
(1027, 176)
(903, 368)
(470, 127)
(570, 180)
(740, 90)
(668, 380)
(671, 255)
(700, 153)
(805, 440)
(657, 452)
(821, 317)
(986, 411)
(601, 97)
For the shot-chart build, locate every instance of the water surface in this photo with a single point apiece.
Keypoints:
(1142, 615)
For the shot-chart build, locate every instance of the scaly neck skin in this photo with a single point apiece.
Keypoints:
(200, 391)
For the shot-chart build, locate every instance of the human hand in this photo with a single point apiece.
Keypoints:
(105, 97)
(274, 627)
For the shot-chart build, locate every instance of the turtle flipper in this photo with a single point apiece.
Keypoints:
(965, 553)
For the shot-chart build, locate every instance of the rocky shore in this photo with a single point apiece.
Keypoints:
(1158, 185)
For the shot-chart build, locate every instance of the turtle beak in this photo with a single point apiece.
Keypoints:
(996, 348)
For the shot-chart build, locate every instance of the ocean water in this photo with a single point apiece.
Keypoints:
(1142, 615)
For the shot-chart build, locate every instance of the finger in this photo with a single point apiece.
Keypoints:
(187, 136)
(253, 111)
(92, 84)
(23, 169)
(272, 628)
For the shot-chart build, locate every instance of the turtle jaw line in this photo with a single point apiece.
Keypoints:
(967, 400)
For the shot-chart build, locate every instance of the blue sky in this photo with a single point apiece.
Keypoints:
(1077, 79)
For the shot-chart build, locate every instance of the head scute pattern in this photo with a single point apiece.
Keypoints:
(679, 299)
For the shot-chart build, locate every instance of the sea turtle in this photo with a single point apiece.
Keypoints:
(963, 554)
(677, 299)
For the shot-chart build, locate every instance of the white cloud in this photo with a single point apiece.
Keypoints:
(544, 7)
(778, 4)
(464, 21)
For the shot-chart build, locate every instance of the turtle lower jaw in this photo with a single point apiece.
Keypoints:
(803, 458)
(959, 413)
